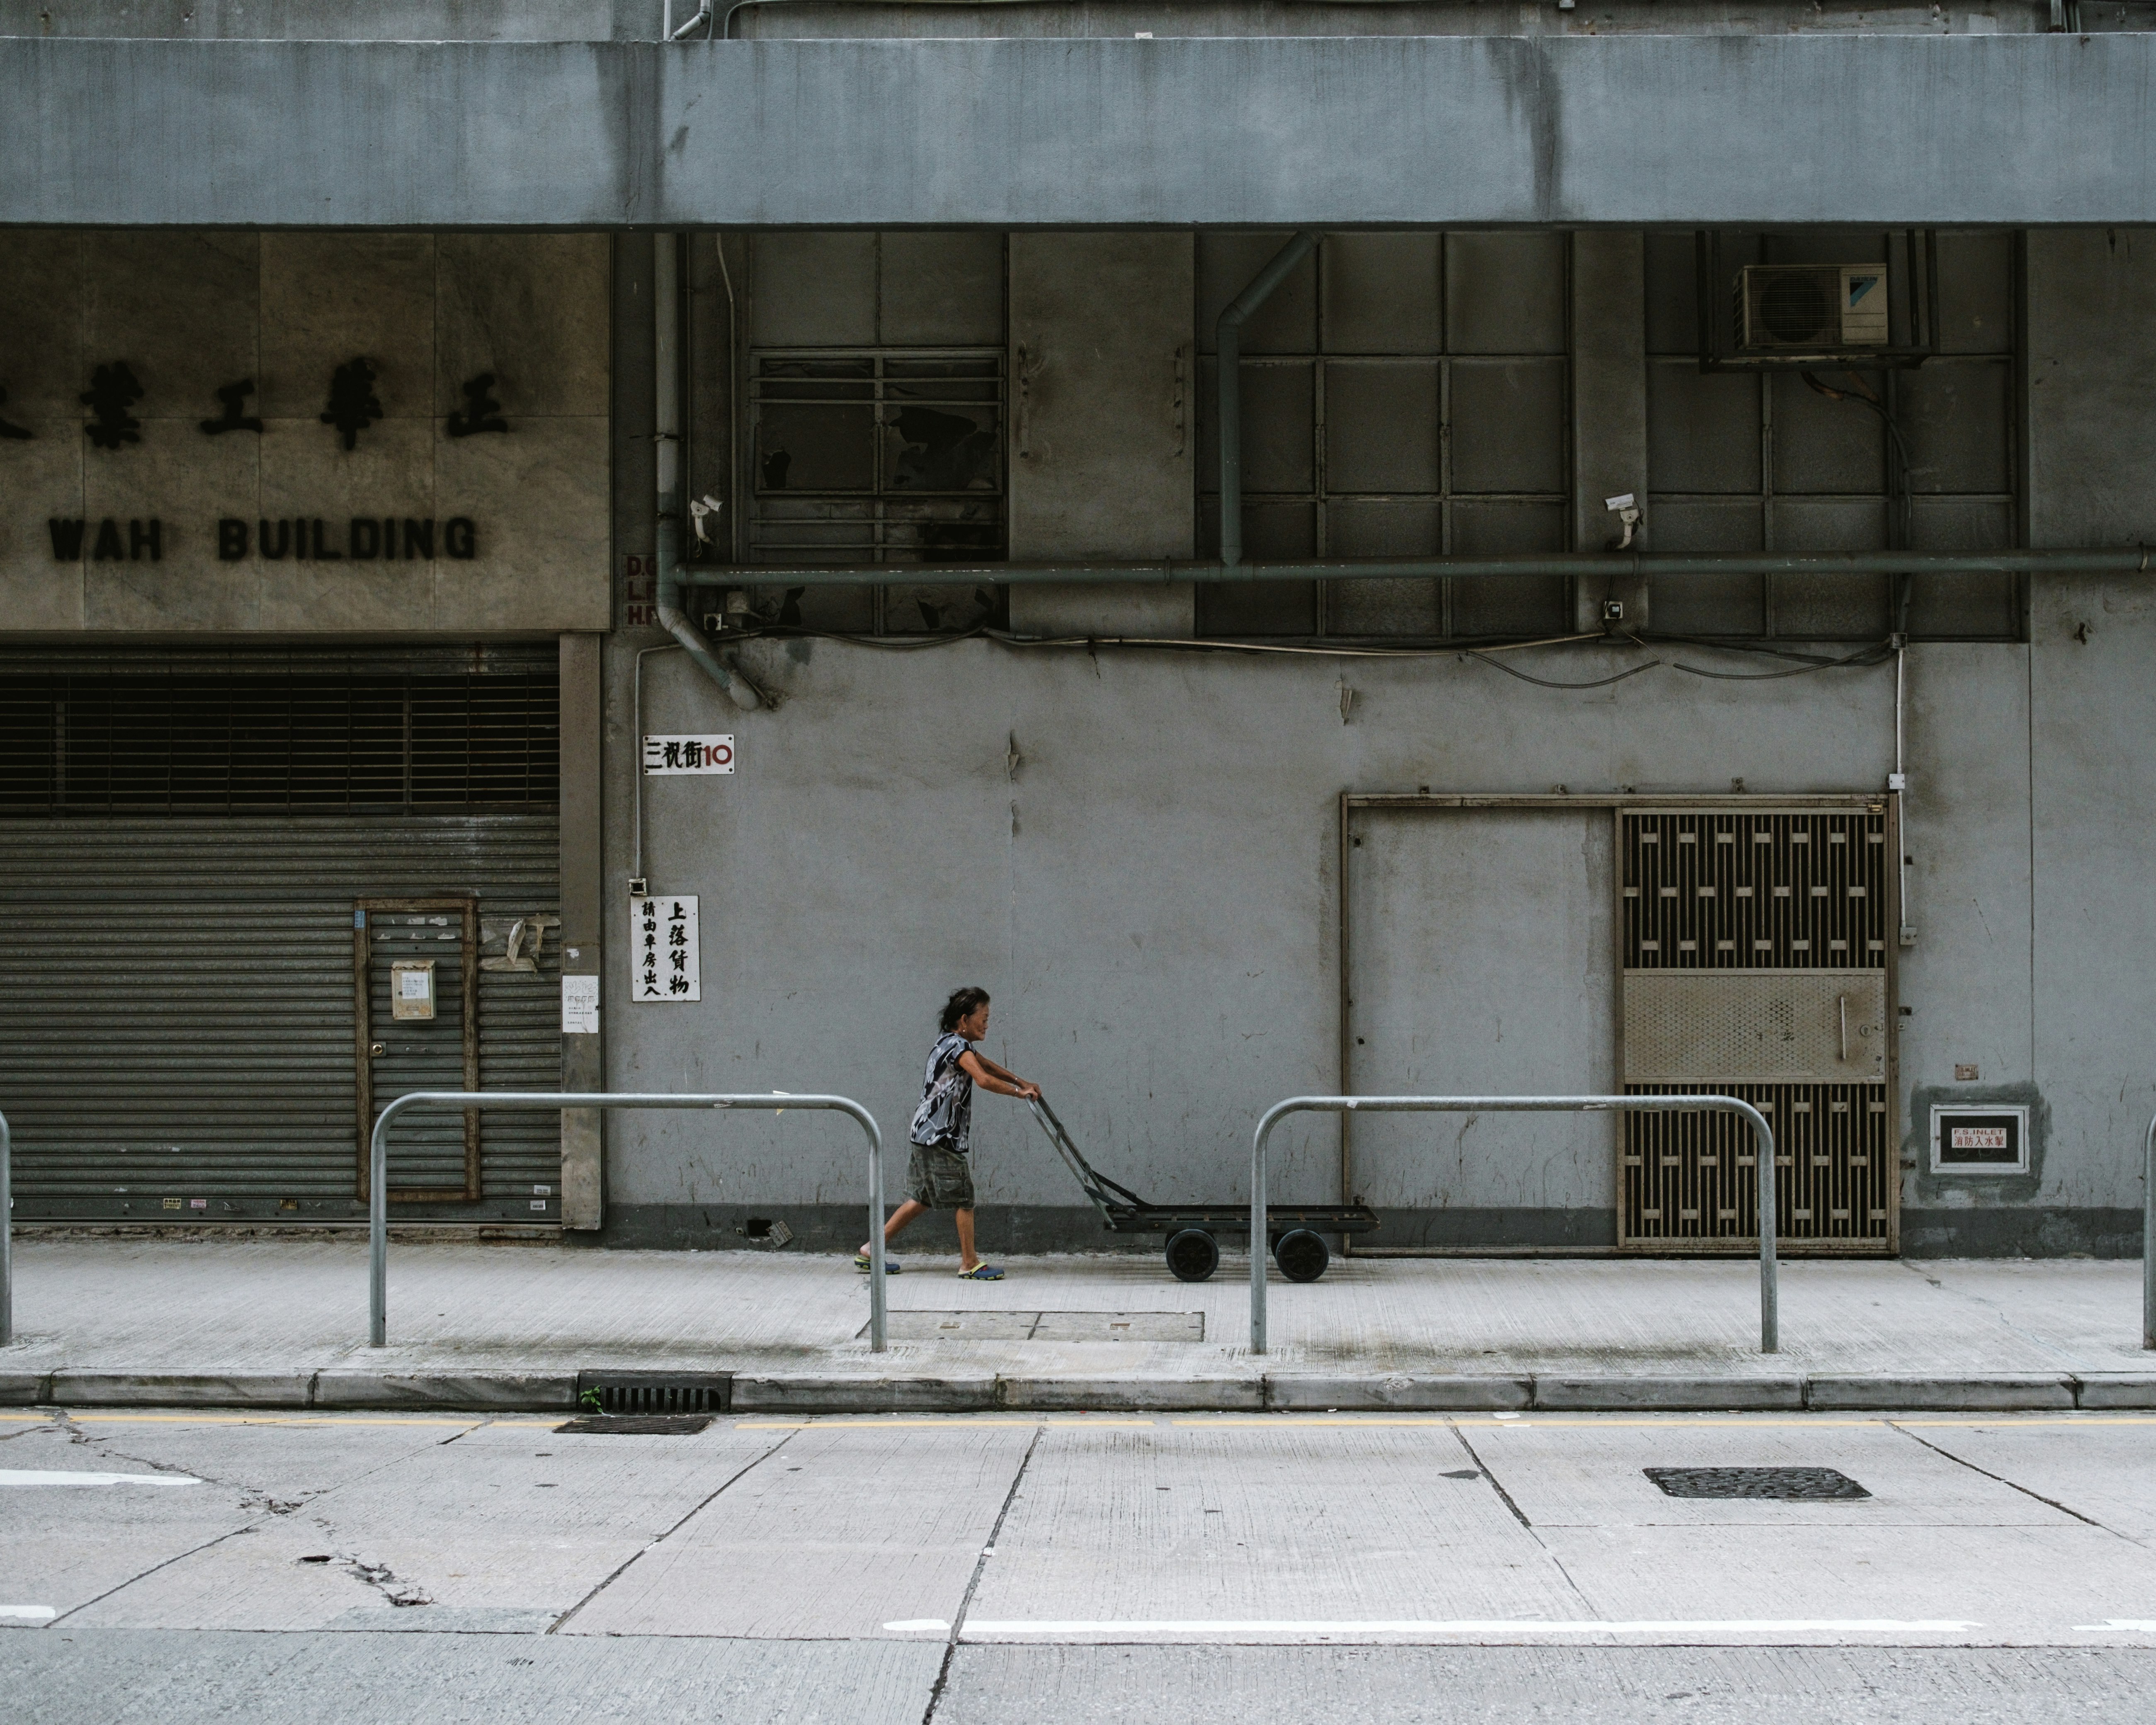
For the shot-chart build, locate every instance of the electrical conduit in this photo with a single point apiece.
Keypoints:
(666, 443)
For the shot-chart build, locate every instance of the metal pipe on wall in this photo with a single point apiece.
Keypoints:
(666, 451)
(636, 874)
(1227, 345)
(2148, 1238)
(7, 1235)
(2092, 560)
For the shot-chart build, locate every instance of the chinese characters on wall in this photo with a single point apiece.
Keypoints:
(352, 405)
(352, 408)
(668, 756)
(664, 947)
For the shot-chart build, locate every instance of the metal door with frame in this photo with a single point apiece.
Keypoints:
(396, 1054)
(1750, 953)
(1758, 961)
(1482, 966)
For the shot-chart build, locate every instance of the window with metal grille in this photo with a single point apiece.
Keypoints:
(876, 405)
(1404, 395)
(136, 736)
(877, 458)
(1763, 461)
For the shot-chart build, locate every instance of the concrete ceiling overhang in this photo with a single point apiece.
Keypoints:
(1419, 131)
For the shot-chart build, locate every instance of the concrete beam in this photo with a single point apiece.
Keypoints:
(1339, 131)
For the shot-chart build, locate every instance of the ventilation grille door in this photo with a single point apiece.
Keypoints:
(1755, 966)
(176, 1011)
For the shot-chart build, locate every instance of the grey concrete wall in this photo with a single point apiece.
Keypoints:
(1103, 429)
(583, 917)
(1136, 851)
(1149, 889)
(189, 313)
(641, 20)
(1426, 130)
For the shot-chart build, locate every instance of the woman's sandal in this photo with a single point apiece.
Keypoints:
(861, 1264)
(982, 1272)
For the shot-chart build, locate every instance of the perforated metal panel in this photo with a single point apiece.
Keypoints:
(1777, 1026)
(1756, 965)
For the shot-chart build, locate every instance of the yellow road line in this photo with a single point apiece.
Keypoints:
(874, 1422)
(1544, 1422)
(293, 1419)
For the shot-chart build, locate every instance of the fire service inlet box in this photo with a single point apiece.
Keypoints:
(1978, 1140)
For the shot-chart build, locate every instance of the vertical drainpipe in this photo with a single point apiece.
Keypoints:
(1227, 341)
(666, 307)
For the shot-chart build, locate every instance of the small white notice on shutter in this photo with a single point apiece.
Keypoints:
(580, 1006)
(412, 989)
(663, 946)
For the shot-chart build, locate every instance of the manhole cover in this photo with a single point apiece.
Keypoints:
(638, 1424)
(1784, 1485)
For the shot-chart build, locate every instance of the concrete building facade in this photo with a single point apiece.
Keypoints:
(1701, 726)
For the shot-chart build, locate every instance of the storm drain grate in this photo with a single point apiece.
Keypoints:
(639, 1425)
(1784, 1484)
(654, 1392)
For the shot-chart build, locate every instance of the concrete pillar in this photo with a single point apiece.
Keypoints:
(583, 1187)
(1103, 435)
(1608, 405)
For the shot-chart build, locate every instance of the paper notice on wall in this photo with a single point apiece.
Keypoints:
(580, 1006)
(663, 946)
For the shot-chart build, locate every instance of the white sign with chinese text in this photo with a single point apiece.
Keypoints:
(663, 947)
(675, 755)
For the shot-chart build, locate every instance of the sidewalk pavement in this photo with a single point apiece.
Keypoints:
(281, 1322)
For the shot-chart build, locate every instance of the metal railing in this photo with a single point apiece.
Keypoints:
(2148, 1236)
(1769, 1302)
(377, 1185)
(7, 1235)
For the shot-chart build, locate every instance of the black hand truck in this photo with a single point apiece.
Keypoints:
(1298, 1246)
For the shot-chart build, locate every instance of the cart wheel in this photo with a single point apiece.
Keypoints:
(1301, 1255)
(1192, 1254)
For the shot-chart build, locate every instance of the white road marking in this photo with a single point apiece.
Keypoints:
(29, 1614)
(2141, 1626)
(1142, 1628)
(47, 1476)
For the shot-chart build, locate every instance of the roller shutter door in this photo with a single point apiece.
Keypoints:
(186, 846)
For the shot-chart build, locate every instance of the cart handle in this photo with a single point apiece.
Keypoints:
(1095, 1185)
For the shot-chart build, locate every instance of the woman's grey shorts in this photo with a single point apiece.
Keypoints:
(941, 1178)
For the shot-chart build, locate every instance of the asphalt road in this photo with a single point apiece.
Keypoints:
(976, 1571)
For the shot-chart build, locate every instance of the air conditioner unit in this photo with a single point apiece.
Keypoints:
(1810, 308)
